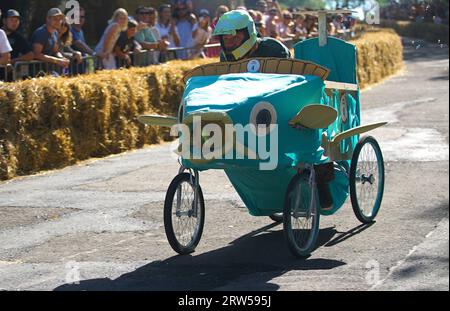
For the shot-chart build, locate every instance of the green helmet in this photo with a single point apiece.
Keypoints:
(233, 21)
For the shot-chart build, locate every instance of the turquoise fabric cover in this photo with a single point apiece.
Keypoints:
(337, 55)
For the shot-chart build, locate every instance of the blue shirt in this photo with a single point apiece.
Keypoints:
(48, 40)
(185, 30)
(77, 35)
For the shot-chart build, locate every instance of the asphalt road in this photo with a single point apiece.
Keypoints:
(100, 222)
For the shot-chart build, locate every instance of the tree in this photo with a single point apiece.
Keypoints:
(310, 4)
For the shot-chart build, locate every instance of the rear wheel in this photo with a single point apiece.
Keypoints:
(184, 216)
(301, 215)
(367, 179)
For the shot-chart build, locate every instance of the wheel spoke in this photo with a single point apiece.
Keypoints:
(184, 223)
(303, 214)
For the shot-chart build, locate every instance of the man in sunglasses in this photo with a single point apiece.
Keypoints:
(148, 35)
(239, 39)
(79, 41)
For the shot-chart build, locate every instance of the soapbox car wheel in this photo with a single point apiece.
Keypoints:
(277, 217)
(367, 179)
(301, 215)
(184, 214)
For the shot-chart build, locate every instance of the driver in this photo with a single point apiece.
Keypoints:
(239, 39)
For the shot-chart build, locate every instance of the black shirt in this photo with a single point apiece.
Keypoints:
(126, 44)
(19, 45)
(267, 47)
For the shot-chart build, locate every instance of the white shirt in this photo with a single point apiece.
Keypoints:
(5, 47)
(203, 36)
(165, 33)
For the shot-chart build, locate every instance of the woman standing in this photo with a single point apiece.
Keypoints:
(167, 26)
(203, 33)
(104, 49)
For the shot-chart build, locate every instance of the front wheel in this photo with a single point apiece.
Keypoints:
(184, 214)
(301, 215)
(277, 217)
(367, 179)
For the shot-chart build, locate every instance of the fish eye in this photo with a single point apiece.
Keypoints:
(263, 115)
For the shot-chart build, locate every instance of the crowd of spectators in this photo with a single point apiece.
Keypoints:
(433, 11)
(174, 26)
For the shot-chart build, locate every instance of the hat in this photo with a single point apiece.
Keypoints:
(54, 12)
(12, 13)
(261, 3)
(204, 12)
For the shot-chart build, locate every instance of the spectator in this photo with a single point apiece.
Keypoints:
(65, 43)
(5, 47)
(300, 31)
(260, 26)
(148, 36)
(222, 9)
(105, 48)
(79, 41)
(271, 23)
(21, 49)
(339, 22)
(203, 33)
(331, 29)
(186, 26)
(45, 40)
(167, 26)
(127, 44)
(311, 25)
(215, 52)
(285, 28)
(261, 6)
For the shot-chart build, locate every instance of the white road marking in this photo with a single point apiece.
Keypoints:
(427, 244)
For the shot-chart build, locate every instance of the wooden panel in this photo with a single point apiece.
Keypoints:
(235, 68)
(244, 67)
(298, 68)
(320, 72)
(210, 70)
(271, 66)
(341, 86)
(222, 69)
(285, 67)
(309, 69)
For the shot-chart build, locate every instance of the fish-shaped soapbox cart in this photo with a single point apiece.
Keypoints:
(306, 111)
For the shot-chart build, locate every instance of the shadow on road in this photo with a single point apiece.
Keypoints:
(342, 236)
(260, 255)
(423, 51)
